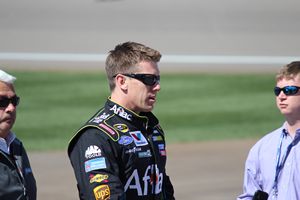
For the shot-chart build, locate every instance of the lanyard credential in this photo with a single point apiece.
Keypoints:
(280, 162)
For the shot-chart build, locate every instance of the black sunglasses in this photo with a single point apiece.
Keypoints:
(287, 90)
(4, 101)
(147, 79)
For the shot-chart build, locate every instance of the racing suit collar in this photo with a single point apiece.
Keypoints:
(145, 119)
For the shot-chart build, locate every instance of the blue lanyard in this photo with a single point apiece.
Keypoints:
(278, 165)
(280, 162)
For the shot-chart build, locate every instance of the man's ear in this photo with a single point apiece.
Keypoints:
(121, 82)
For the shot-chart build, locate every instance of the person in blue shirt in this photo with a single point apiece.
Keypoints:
(273, 163)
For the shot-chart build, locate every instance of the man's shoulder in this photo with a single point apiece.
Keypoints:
(274, 134)
(268, 141)
(101, 124)
(17, 143)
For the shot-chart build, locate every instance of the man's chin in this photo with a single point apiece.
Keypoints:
(148, 109)
(4, 130)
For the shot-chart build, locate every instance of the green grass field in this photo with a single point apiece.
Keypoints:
(191, 107)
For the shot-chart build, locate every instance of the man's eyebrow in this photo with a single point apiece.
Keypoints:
(7, 96)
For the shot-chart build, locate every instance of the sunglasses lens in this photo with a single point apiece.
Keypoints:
(277, 91)
(15, 100)
(147, 79)
(290, 90)
(150, 80)
(4, 102)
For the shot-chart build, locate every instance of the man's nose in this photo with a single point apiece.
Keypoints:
(11, 107)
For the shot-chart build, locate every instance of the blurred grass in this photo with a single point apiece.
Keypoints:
(191, 107)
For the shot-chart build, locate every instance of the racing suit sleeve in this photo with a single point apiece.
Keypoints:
(168, 189)
(95, 163)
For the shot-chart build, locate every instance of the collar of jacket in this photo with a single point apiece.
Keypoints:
(6, 142)
(144, 119)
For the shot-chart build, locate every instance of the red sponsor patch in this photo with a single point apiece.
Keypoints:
(108, 129)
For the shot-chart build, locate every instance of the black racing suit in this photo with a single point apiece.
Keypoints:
(16, 178)
(118, 154)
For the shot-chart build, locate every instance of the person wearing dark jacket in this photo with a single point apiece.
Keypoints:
(16, 178)
(120, 153)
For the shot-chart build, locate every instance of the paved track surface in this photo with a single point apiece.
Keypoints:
(232, 27)
(204, 170)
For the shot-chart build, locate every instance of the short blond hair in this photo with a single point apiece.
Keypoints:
(289, 71)
(125, 57)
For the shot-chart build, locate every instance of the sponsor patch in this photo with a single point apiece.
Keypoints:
(100, 118)
(121, 112)
(109, 130)
(125, 140)
(157, 138)
(145, 154)
(152, 182)
(102, 192)
(98, 178)
(161, 146)
(121, 127)
(133, 150)
(94, 164)
(92, 151)
(162, 149)
(163, 152)
(138, 138)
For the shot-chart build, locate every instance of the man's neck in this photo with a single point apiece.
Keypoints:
(4, 134)
(293, 126)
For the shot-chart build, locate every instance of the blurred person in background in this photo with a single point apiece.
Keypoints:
(273, 164)
(120, 153)
(16, 177)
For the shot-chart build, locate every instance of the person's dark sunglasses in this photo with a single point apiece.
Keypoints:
(147, 79)
(287, 90)
(4, 101)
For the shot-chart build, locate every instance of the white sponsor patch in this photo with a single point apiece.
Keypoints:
(149, 182)
(92, 151)
(121, 112)
(100, 118)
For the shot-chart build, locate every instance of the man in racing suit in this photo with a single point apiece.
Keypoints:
(120, 153)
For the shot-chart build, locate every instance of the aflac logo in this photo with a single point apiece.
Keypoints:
(147, 182)
(121, 112)
(92, 151)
